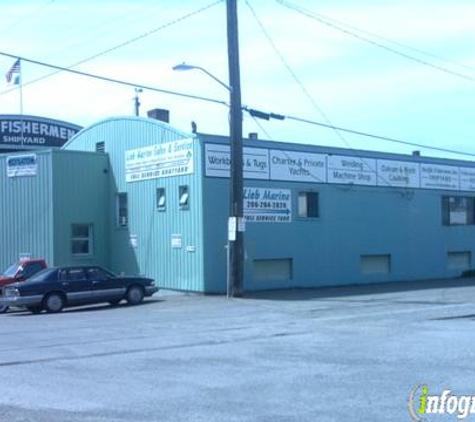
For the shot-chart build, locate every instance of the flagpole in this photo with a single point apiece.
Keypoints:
(21, 105)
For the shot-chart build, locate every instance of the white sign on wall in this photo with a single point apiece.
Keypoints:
(218, 160)
(262, 205)
(162, 160)
(255, 162)
(438, 176)
(22, 165)
(467, 178)
(357, 170)
(176, 241)
(298, 166)
(134, 241)
(398, 174)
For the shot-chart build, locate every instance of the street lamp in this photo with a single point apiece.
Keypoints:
(184, 67)
(235, 255)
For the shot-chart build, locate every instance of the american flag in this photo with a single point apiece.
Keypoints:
(16, 68)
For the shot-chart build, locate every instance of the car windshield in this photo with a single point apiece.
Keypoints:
(11, 270)
(43, 274)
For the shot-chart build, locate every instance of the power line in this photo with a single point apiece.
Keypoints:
(150, 32)
(329, 125)
(109, 50)
(309, 96)
(386, 39)
(126, 20)
(301, 167)
(117, 81)
(26, 17)
(267, 116)
(383, 138)
(290, 70)
(313, 176)
(252, 112)
(318, 18)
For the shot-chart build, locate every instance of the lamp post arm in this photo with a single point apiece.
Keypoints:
(229, 88)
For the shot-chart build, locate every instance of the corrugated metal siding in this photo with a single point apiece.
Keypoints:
(354, 221)
(173, 268)
(80, 192)
(26, 222)
(122, 134)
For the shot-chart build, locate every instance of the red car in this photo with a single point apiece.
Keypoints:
(20, 271)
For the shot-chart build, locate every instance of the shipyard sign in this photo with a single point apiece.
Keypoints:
(30, 132)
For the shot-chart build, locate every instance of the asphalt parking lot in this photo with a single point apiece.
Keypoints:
(347, 354)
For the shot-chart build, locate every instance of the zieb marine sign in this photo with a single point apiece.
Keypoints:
(30, 132)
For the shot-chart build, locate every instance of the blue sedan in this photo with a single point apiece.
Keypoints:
(55, 288)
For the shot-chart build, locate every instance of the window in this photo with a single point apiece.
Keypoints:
(459, 260)
(184, 198)
(308, 204)
(44, 274)
(81, 239)
(161, 199)
(122, 210)
(273, 269)
(375, 264)
(32, 268)
(457, 210)
(72, 274)
(96, 273)
(100, 146)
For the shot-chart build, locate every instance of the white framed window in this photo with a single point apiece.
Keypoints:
(122, 209)
(81, 239)
(183, 198)
(308, 204)
(100, 146)
(458, 210)
(161, 199)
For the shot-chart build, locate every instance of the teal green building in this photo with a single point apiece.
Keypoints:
(139, 196)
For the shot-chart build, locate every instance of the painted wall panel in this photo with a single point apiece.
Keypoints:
(353, 221)
(26, 217)
(145, 244)
(81, 183)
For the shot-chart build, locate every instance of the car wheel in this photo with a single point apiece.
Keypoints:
(134, 295)
(53, 303)
(114, 302)
(3, 309)
(35, 309)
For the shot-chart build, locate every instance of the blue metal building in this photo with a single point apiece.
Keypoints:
(157, 203)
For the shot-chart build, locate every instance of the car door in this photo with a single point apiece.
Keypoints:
(105, 286)
(75, 285)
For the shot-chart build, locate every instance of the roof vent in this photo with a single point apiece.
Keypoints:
(159, 114)
(253, 135)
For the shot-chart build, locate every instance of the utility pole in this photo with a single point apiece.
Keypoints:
(236, 219)
(137, 101)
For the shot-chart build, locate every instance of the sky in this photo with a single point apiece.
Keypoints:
(291, 64)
